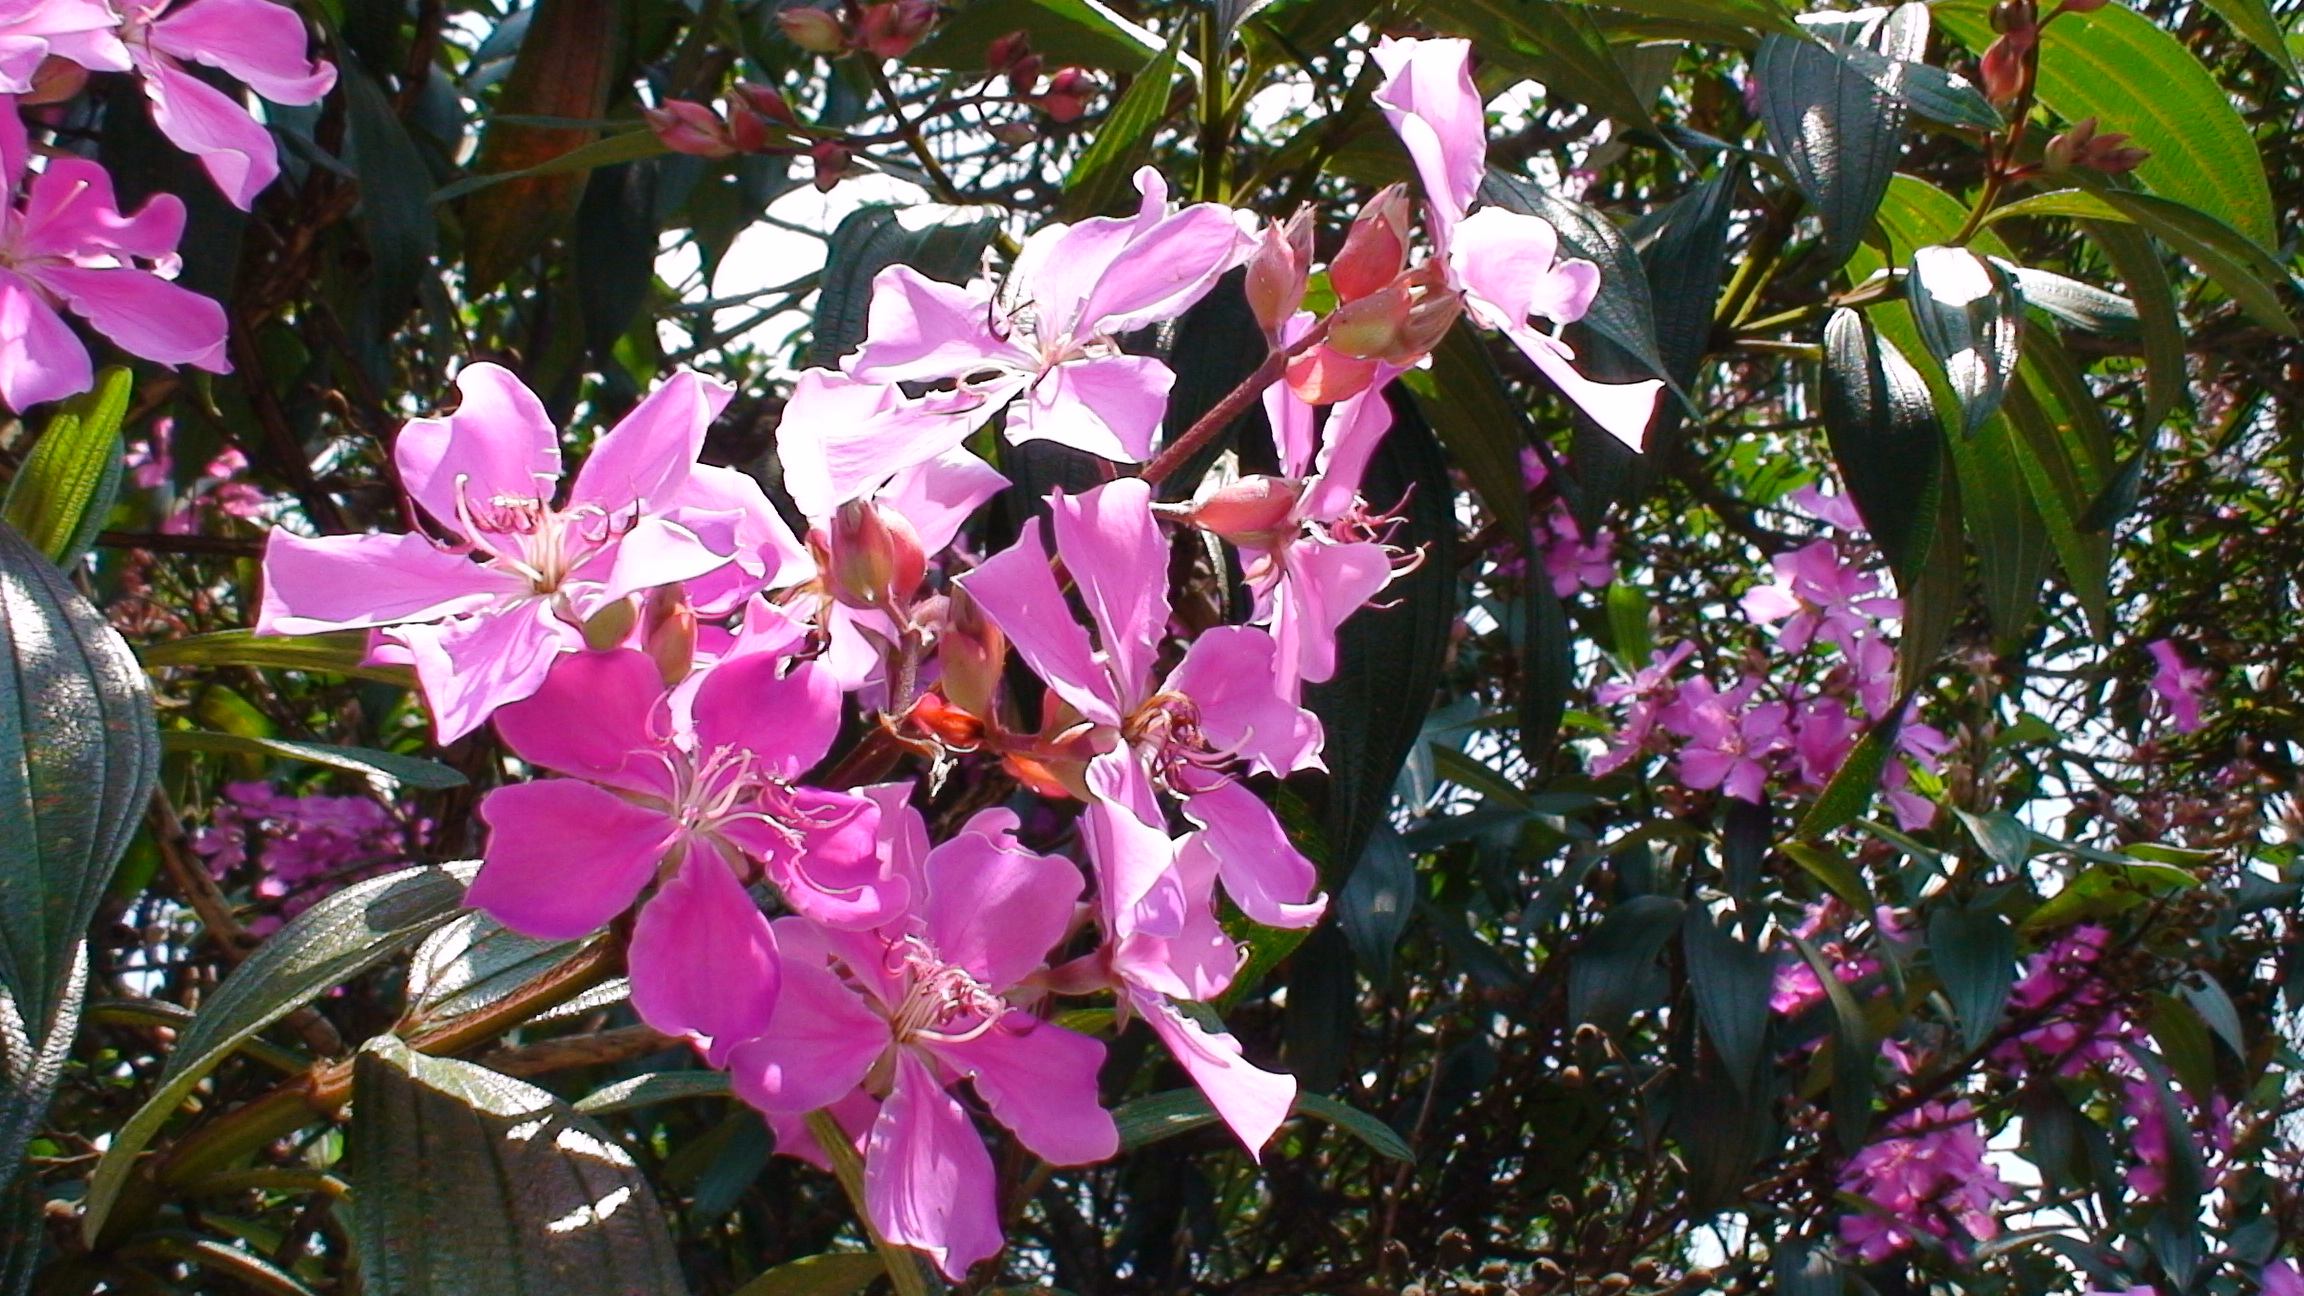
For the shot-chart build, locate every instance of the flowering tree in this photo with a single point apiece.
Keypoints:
(1287, 646)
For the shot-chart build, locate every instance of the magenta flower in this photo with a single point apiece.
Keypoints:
(1729, 737)
(1929, 1177)
(842, 438)
(2180, 686)
(1506, 264)
(905, 1011)
(692, 789)
(26, 27)
(261, 43)
(2280, 1278)
(65, 245)
(483, 621)
(1818, 594)
(1048, 335)
(1652, 692)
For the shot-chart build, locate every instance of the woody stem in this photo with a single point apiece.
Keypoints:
(1234, 404)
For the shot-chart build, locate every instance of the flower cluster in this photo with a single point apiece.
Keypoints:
(65, 245)
(300, 847)
(680, 665)
(1788, 721)
(1928, 1177)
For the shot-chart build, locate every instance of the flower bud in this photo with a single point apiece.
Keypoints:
(56, 80)
(2015, 16)
(766, 101)
(1369, 326)
(1067, 96)
(2064, 150)
(1278, 270)
(611, 625)
(1014, 134)
(1376, 249)
(1323, 376)
(973, 652)
(1430, 316)
(1252, 512)
(834, 161)
(688, 127)
(668, 632)
(890, 29)
(2001, 71)
(1024, 76)
(818, 31)
(1002, 55)
(747, 130)
(875, 556)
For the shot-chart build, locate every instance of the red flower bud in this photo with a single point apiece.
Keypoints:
(973, 652)
(1067, 96)
(834, 160)
(668, 632)
(819, 31)
(1002, 55)
(2015, 16)
(747, 130)
(56, 80)
(689, 127)
(951, 725)
(1251, 512)
(1323, 376)
(1376, 248)
(1369, 326)
(1277, 272)
(890, 29)
(875, 556)
(1014, 134)
(766, 101)
(2001, 71)
(1024, 76)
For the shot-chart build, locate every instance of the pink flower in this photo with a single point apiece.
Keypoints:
(1929, 1177)
(904, 1011)
(1048, 335)
(1818, 595)
(2179, 685)
(1571, 561)
(1650, 691)
(1729, 737)
(642, 513)
(261, 43)
(692, 789)
(66, 246)
(843, 439)
(27, 25)
(1506, 264)
(2280, 1278)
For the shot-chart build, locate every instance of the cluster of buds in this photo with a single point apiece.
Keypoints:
(1387, 311)
(2082, 146)
(887, 30)
(2007, 65)
(741, 126)
(1069, 88)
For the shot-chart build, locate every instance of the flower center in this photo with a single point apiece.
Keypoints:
(942, 1003)
(535, 540)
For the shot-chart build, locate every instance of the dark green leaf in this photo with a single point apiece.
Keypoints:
(1484, 429)
(1375, 904)
(944, 243)
(1614, 973)
(2083, 306)
(1850, 791)
(470, 1183)
(2133, 75)
(2213, 1003)
(1836, 129)
(1852, 1053)
(1885, 439)
(1180, 1111)
(1802, 1270)
(1381, 1138)
(336, 653)
(1836, 871)
(472, 962)
(1969, 317)
(655, 1087)
(2132, 255)
(335, 940)
(414, 771)
(2254, 20)
(1547, 669)
(1082, 32)
(2060, 443)
(615, 250)
(1974, 954)
(1622, 311)
(1099, 177)
(1941, 96)
(2004, 838)
(396, 218)
(1388, 659)
(2012, 543)
(1731, 980)
(2238, 262)
(834, 1273)
(1561, 45)
(1218, 345)
(1684, 250)
(60, 497)
(624, 146)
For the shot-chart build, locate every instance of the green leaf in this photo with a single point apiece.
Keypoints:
(1885, 438)
(472, 962)
(833, 1273)
(60, 497)
(338, 652)
(615, 245)
(411, 770)
(1484, 429)
(1836, 871)
(2059, 444)
(1381, 1138)
(945, 243)
(1974, 954)
(1085, 33)
(470, 1183)
(1970, 320)
(1614, 971)
(1180, 1111)
(1546, 642)
(396, 219)
(1853, 1050)
(1376, 902)
(2132, 75)
(2004, 523)
(2238, 263)
(1622, 311)
(77, 760)
(335, 940)
(623, 146)
(1837, 130)
(2103, 889)
(1218, 345)
(1099, 177)
(1730, 979)
(2084, 306)
(655, 1087)
(2254, 21)
(1850, 791)
(2162, 326)
(1629, 630)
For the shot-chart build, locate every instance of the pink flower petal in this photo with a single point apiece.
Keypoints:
(1251, 1100)
(919, 329)
(1264, 874)
(820, 1042)
(145, 314)
(350, 581)
(928, 1181)
(41, 359)
(1135, 860)
(939, 496)
(786, 719)
(1109, 406)
(1018, 591)
(1119, 562)
(1039, 1079)
(1231, 675)
(564, 857)
(596, 716)
(260, 42)
(70, 210)
(1355, 428)
(1622, 409)
(1429, 98)
(841, 436)
(993, 907)
(703, 959)
(765, 547)
(473, 665)
(1163, 271)
(1509, 262)
(498, 443)
(204, 121)
(646, 457)
(657, 551)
